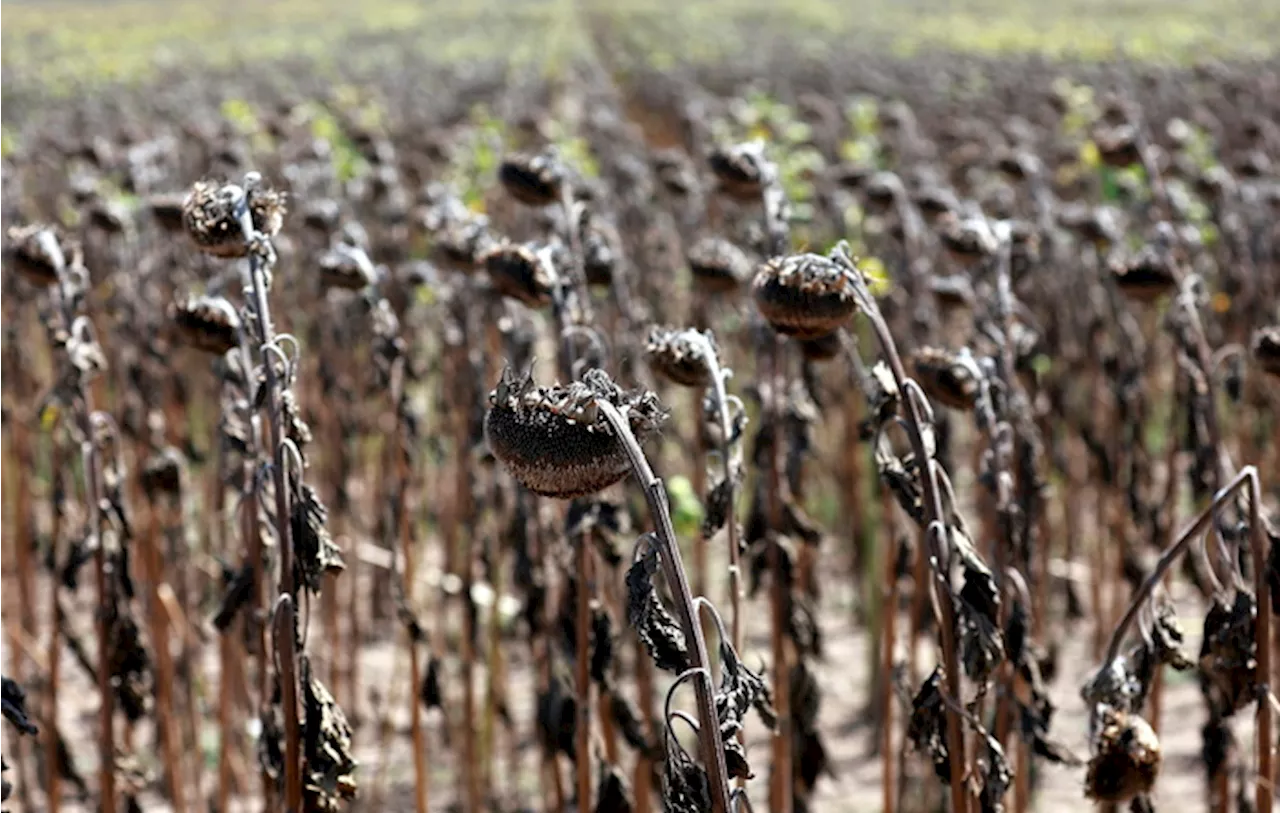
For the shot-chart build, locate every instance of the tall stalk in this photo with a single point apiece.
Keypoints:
(936, 522)
(673, 570)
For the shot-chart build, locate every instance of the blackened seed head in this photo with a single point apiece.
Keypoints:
(740, 170)
(717, 265)
(555, 441)
(162, 473)
(849, 175)
(946, 377)
(935, 202)
(206, 323)
(36, 252)
(1146, 276)
(521, 272)
(1118, 146)
(459, 244)
(881, 190)
(675, 172)
(1126, 758)
(804, 295)
(346, 267)
(535, 180)
(110, 216)
(1266, 349)
(1018, 165)
(680, 355)
(952, 290)
(969, 240)
(166, 210)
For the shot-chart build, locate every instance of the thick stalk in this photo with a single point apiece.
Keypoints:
(287, 654)
(399, 442)
(581, 671)
(783, 794)
(54, 778)
(106, 606)
(889, 622)
(936, 522)
(673, 571)
(170, 742)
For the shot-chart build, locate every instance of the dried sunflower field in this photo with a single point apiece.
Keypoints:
(624, 407)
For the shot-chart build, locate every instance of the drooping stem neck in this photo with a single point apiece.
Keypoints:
(673, 571)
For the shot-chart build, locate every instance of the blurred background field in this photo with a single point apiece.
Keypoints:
(61, 44)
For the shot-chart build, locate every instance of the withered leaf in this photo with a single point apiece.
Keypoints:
(655, 626)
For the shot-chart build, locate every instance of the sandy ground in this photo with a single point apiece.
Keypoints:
(386, 770)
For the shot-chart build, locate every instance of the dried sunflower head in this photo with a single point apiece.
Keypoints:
(535, 180)
(1018, 165)
(952, 290)
(36, 253)
(554, 439)
(207, 323)
(1146, 276)
(163, 472)
(804, 295)
(740, 170)
(1118, 145)
(110, 216)
(953, 379)
(970, 240)
(882, 191)
(521, 271)
(347, 267)
(211, 216)
(459, 245)
(1126, 757)
(936, 203)
(166, 211)
(1266, 349)
(675, 172)
(680, 355)
(717, 265)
